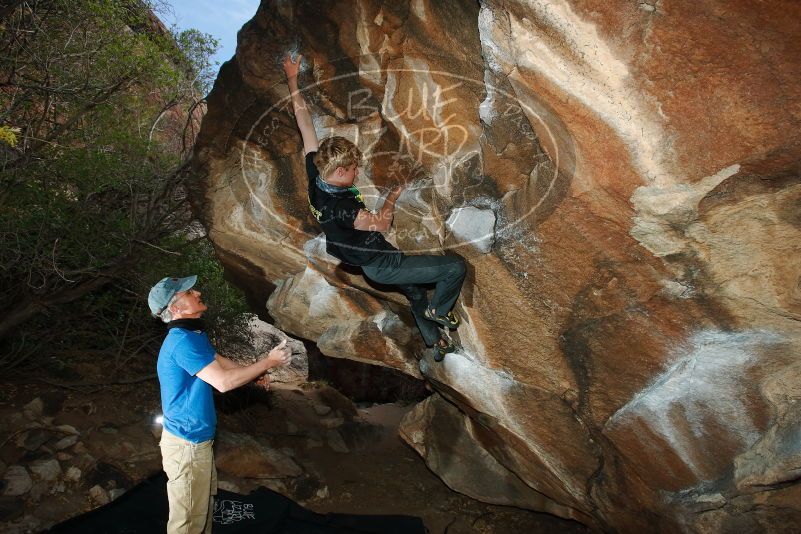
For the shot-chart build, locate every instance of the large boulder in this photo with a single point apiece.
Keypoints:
(263, 337)
(459, 448)
(623, 181)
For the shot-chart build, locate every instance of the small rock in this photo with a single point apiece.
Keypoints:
(73, 474)
(17, 481)
(58, 487)
(321, 409)
(63, 456)
(34, 409)
(116, 493)
(47, 469)
(33, 439)
(80, 448)
(336, 442)
(332, 422)
(68, 429)
(323, 493)
(647, 7)
(98, 495)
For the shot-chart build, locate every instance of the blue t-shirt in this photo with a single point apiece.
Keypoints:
(187, 402)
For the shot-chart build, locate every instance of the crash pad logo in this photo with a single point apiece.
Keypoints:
(227, 512)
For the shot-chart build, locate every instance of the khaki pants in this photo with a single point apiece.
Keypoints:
(192, 483)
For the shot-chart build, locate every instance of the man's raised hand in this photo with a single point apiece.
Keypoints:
(280, 355)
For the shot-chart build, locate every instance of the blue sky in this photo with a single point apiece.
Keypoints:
(220, 18)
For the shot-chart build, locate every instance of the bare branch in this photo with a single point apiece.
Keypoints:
(158, 248)
(55, 267)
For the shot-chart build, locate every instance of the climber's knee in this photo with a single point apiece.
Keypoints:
(459, 266)
(414, 293)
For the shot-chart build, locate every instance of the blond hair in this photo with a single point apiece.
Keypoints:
(336, 152)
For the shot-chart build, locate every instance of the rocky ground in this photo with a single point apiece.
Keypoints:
(64, 451)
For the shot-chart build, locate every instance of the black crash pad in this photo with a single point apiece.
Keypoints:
(143, 509)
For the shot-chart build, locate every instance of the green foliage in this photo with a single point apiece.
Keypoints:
(91, 185)
(198, 47)
(8, 135)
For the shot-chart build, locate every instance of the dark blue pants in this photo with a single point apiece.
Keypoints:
(411, 273)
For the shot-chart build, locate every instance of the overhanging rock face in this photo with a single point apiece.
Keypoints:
(623, 180)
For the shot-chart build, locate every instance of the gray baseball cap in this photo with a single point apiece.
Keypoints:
(161, 293)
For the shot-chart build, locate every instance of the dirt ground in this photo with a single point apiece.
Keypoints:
(118, 446)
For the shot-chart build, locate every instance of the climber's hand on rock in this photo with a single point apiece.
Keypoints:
(291, 68)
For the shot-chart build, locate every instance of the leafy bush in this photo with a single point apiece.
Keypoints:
(98, 112)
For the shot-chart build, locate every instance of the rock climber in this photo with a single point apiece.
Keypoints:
(354, 233)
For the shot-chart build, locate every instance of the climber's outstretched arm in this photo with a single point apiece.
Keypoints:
(302, 115)
(380, 221)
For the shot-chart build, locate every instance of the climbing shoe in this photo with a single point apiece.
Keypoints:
(449, 320)
(442, 348)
